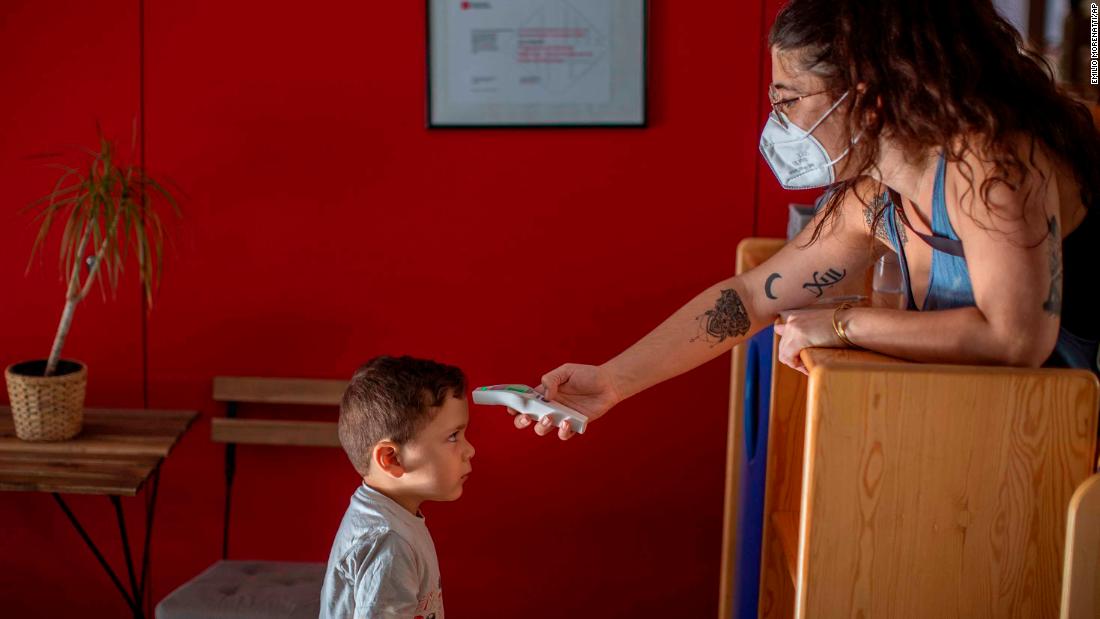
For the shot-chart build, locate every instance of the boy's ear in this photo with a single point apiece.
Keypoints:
(386, 456)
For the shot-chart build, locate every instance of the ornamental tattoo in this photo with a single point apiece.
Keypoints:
(824, 280)
(871, 212)
(727, 319)
(1053, 304)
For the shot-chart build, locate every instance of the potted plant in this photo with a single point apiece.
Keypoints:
(107, 212)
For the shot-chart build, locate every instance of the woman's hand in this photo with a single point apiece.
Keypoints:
(805, 328)
(587, 389)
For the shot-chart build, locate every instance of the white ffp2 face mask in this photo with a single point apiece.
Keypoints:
(795, 156)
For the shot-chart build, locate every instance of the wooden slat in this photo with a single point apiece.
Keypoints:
(107, 432)
(754, 251)
(777, 600)
(785, 525)
(750, 253)
(735, 455)
(940, 491)
(31, 472)
(1081, 585)
(271, 432)
(78, 460)
(783, 488)
(114, 454)
(34, 464)
(813, 357)
(307, 391)
(67, 484)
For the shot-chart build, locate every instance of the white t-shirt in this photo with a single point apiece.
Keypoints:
(382, 563)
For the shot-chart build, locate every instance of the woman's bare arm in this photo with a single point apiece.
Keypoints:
(1013, 247)
(732, 310)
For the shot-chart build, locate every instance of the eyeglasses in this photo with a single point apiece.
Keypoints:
(779, 114)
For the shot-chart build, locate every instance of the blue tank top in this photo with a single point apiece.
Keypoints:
(949, 279)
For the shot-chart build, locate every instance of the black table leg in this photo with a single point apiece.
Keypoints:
(125, 546)
(135, 595)
(150, 511)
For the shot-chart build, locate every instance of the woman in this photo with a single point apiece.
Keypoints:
(941, 140)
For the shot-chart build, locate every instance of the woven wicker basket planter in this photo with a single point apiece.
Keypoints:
(47, 408)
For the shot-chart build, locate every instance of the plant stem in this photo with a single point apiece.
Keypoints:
(76, 294)
(70, 307)
(98, 259)
(62, 331)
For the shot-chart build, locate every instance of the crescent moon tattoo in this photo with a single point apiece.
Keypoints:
(768, 285)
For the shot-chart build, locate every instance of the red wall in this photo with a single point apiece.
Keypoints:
(324, 225)
(63, 66)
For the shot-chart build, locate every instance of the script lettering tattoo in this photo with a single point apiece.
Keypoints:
(768, 285)
(727, 319)
(824, 280)
(1053, 304)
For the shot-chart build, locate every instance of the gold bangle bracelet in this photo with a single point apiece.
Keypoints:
(839, 328)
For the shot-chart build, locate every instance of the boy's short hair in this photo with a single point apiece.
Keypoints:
(393, 398)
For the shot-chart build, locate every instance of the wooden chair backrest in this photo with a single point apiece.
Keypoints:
(235, 390)
(940, 491)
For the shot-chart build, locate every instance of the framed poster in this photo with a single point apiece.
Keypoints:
(536, 63)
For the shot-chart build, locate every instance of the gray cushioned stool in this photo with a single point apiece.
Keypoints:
(248, 589)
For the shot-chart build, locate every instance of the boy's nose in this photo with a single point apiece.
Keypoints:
(469, 451)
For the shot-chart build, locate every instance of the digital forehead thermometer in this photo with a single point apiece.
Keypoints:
(530, 402)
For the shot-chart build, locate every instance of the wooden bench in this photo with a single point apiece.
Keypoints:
(249, 589)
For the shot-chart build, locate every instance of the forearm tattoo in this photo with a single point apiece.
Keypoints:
(876, 221)
(1053, 304)
(727, 319)
(822, 281)
(768, 285)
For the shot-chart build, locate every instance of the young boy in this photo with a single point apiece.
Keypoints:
(402, 424)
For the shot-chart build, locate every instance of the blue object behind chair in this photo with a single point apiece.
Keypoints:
(755, 408)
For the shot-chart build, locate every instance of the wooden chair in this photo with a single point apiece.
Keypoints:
(1081, 576)
(899, 489)
(255, 589)
(751, 252)
(232, 430)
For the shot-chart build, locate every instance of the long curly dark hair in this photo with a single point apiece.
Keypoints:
(936, 71)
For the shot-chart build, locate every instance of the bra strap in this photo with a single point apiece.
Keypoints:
(939, 243)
